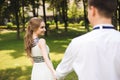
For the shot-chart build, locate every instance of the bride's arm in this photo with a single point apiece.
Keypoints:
(42, 45)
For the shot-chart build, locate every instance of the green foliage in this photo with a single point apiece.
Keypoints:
(74, 11)
(48, 22)
(59, 22)
(26, 24)
(53, 22)
(9, 25)
(82, 23)
(3, 27)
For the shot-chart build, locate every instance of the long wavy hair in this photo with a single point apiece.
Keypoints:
(33, 24)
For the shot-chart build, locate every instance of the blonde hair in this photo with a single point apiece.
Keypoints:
(33, 24)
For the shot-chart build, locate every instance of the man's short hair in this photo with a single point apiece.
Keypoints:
(106, 8)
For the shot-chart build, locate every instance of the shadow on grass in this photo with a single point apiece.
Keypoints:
(70, 76)
(18, 73)
(57, 40)
(9, 42)
(24, 73)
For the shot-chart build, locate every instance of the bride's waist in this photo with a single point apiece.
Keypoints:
(38, 59)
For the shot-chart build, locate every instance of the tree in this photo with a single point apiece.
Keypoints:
(116, 16)
(118, 3)
(56, 18)
(75, 12)
(64, 13)
(85, 15)
(60, 9)
(44, 13)
(55, 6)
(3, 11)
(23, 16)
(33, 7)
(15, 5)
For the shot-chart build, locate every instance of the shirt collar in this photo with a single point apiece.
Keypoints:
(101, 25)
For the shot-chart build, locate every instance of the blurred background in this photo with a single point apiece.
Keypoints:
(64, 20)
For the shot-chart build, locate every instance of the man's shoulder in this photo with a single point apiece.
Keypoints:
(116, 35)
(83, 37)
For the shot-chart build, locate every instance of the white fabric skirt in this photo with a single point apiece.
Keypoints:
(41, 71)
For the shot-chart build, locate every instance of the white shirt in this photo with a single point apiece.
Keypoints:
(93, 56)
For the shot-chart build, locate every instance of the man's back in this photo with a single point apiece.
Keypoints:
(96, 55)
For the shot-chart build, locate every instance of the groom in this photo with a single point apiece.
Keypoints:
(95, 55)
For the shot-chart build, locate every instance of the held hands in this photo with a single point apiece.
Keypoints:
(54, 75)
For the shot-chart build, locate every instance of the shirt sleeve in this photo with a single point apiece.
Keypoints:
(66, 65)
(117, 64)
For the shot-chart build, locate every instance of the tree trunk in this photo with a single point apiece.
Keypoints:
(119, 13)
(17, 23)
(66, 18)
(64, 13)
(23, 17)
(44, 12)
(16, 7)
(37, 7)
(85, 16)
(33, 7)
(56, 18)
(114, 19)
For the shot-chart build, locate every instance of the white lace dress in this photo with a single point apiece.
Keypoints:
(40, 70)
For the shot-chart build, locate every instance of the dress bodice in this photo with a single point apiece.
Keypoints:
(36, 51)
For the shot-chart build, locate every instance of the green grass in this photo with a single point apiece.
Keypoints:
(14, 65)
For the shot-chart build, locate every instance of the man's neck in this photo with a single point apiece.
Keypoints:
(102, 21)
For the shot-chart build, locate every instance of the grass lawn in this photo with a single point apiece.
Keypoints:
(14, 65)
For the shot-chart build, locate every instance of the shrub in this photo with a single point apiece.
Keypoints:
(48, 22)
(53, 22)
(82, 23)
(3, 27)
(9, 25)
